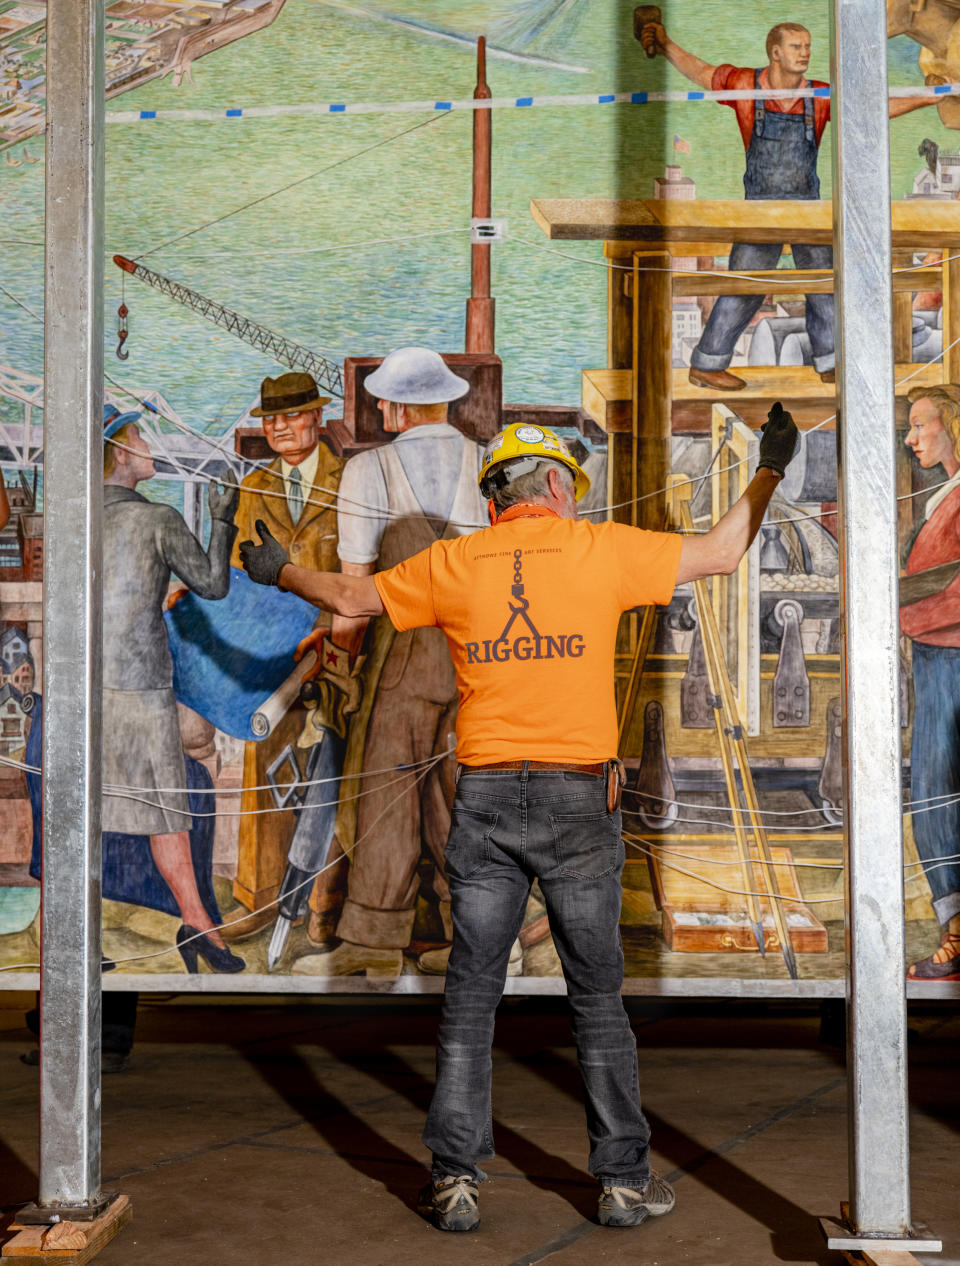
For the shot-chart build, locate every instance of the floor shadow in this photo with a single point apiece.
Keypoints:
(20, 1183)
(339, 1124)
(343, 1128)
(795, 1234)
(538, 1166)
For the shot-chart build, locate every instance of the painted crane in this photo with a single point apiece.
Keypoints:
(326, 373)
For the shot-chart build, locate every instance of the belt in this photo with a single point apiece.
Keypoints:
(598, 768)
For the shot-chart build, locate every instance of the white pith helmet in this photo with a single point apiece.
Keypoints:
(415, 375)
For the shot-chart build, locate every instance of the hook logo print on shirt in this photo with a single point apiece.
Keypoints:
(531, 644)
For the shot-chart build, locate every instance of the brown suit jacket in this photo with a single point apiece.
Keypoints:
(264, 838)
(312, 542)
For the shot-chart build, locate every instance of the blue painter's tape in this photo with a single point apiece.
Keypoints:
(638, 98)
(442, 105)
(337, 109)
(608, 96)
(524, 101)
(148, 114)
(234, 114)
(822, 92)
(938, 88)
(694, 96)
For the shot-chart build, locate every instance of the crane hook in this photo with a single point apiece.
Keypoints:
(122, 332)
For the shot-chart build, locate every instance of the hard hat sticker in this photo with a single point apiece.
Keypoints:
(529, 434)
(495, 443)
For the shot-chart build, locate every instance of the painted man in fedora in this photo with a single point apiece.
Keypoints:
(295, 495)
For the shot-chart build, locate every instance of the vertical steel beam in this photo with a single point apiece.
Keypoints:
(73, 501)
(879, 1150)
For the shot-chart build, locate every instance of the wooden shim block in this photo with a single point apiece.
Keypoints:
(26, 1241)
(25, 1249)
(64, 1235)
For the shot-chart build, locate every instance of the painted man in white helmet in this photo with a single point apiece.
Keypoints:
(530, 608)
(394, 501)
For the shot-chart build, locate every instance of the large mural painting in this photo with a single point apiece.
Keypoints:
(290, 190)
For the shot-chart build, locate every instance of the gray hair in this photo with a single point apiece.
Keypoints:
(527, 484)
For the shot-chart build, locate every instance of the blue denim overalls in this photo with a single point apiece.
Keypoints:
(781, 165)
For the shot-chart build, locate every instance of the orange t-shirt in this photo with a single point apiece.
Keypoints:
(530, 609)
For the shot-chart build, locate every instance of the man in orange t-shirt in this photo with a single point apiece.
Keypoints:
(530, 608)
(782, 139)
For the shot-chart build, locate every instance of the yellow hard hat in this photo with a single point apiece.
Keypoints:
(521, 440)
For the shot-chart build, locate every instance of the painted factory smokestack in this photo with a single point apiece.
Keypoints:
(480, 306)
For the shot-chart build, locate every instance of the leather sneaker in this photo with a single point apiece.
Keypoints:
(716, 379)
(451, 1203)
(628, 1206)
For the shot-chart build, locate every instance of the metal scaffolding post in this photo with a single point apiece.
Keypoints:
(879, 1208)
(73, 496)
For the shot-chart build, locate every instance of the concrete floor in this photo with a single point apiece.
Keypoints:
(270, 1134)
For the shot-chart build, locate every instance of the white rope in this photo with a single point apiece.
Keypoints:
(340, 503)
(801, 284)
(742, 892)
(249, 813)
(947, 797)
(120, 791)
(138, 958)
(321, 250)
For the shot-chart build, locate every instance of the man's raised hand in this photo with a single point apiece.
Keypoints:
(223, 498)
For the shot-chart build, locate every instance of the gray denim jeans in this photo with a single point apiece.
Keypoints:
(507, 828)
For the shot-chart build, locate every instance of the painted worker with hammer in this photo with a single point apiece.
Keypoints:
(530, 608)
(782, 139)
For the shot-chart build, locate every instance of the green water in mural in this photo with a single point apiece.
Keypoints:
(18, 909)
(300, 262)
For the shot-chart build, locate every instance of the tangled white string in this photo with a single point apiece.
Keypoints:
(347, 852)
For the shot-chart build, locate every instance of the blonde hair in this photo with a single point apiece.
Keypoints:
(946, 398)
(110, 449)
(776, 33)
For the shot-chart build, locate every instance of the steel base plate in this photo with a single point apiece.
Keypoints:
(49, 1215)
(840, 1237)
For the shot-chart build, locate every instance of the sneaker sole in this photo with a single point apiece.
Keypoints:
(465, 1221)
(632, 1217)
(624, 1219)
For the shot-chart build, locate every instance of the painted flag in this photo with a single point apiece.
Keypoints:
(680, 145)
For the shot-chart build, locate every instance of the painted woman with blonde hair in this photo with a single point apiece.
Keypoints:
(933, 623)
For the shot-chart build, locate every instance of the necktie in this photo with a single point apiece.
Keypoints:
(295, 495)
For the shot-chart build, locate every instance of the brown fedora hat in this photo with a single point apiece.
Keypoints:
(290, 393)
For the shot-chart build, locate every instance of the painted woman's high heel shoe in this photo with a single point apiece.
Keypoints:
(191, 942)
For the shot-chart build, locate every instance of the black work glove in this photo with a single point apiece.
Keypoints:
(223, 498)
(263, 563)
(778, 440)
